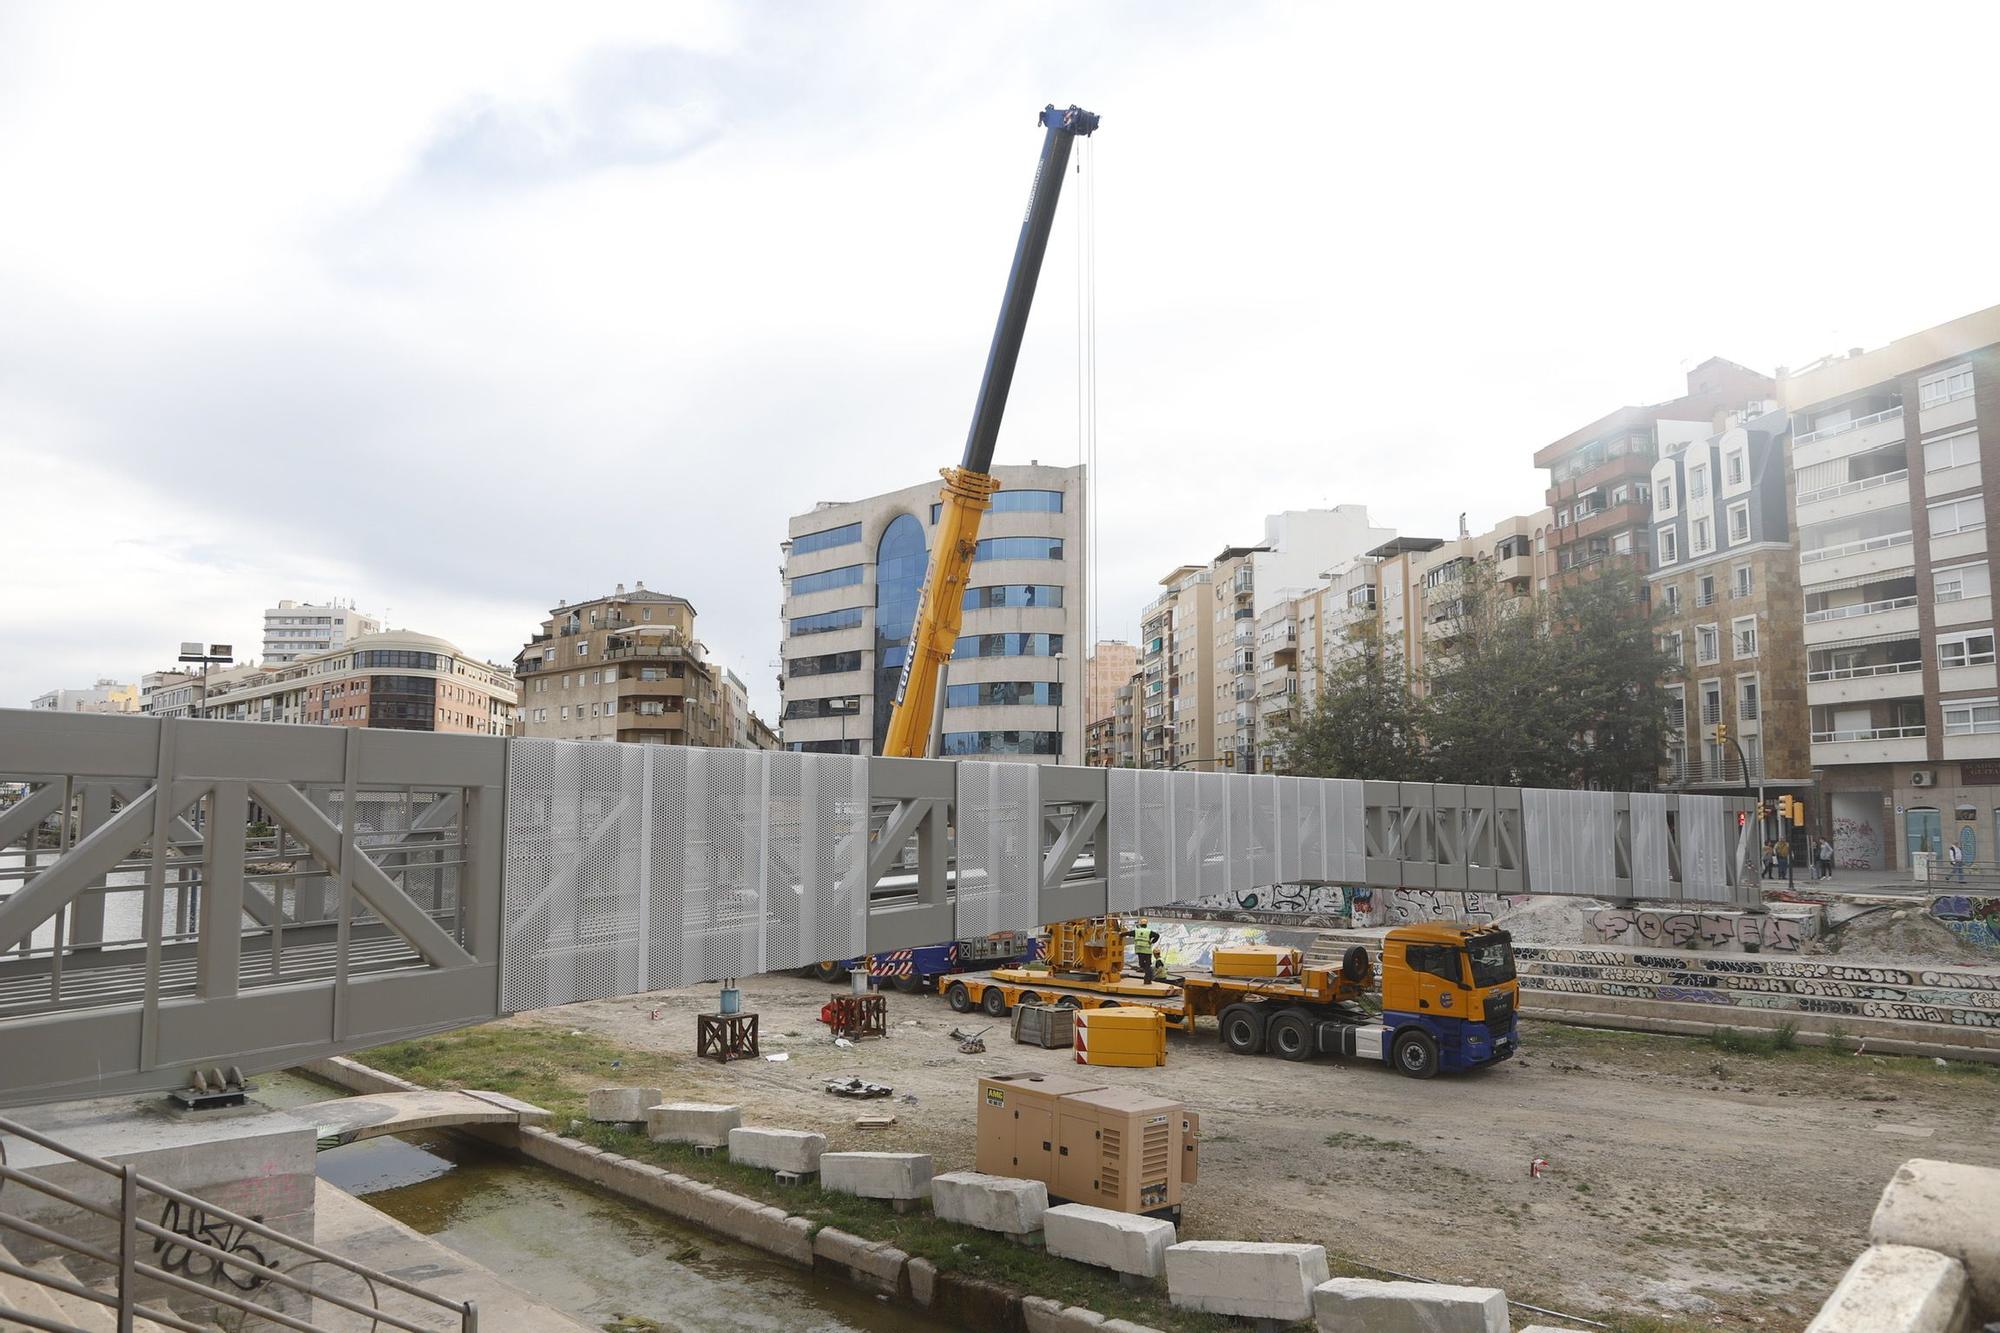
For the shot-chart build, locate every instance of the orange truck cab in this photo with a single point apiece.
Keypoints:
(1449, 997)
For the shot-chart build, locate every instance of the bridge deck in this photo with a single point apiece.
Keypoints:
(350, 1119)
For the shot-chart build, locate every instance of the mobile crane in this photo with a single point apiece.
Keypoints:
(969, 487)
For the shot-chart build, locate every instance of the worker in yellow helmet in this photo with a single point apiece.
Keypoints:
(1144, 941)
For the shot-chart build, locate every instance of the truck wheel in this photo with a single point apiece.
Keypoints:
(958, 997)
(908, 985)
(1354, 966)
(1027, 997)
(994, 1002)
(1242, 1028)
(1415, 1054)
(830, 973)
(1069, 1002)
(1290, 1035)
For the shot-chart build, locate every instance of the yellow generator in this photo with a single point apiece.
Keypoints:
(1115, 1148)
(1123, 1037)
(1255, 960)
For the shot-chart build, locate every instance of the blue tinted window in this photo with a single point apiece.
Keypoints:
(1013, 594)
(1008, 645)
(900, 559)
(844, 577)
(1019, 548)
(1003, 692)
(1017, 502)
(831, 537)
(1002, 742)
(848, 617)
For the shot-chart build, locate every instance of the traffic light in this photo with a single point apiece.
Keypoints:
(1798, 812)
(1722, 733)
(1784, 809)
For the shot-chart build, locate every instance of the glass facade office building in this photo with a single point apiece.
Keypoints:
(853, 577)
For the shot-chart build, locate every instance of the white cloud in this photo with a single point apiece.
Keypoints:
(463, 310)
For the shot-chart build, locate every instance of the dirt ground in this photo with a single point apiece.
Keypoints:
(1716, 1188)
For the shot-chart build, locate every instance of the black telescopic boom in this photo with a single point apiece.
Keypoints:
(1062, 127)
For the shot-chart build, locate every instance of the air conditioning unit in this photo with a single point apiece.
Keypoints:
(1923, 777)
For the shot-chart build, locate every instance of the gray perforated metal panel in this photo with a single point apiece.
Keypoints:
(1706, 836)
(1344, 821)
(1651, 871)
(999, 848)
(637, 867)
(1571, 847)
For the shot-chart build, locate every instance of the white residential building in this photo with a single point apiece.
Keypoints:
(299, 629)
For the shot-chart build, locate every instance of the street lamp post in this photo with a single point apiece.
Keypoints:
(220, 653)
(1061, 744)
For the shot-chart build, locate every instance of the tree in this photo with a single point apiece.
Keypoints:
(1494, 684)
(1615, 703)
(1363, 724)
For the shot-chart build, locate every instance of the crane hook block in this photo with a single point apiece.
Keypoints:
(1075, 119)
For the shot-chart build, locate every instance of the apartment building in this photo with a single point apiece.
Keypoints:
(396, 681)
(1172, 723)
(1111, 664)
(624, 667)
(169, 693)
(300, 629)
(106, 696)
(1299, 546)
(853, 574)
(1125, 722)
(746, 730)
(1889, 451)
(1404, 594)
(1600, 476)
(1725, 594)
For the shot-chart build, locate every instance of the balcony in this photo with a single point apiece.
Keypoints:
(1872, 745)
(1851, 437)
(1861, 620)
(1857, 559)
(1899, 479)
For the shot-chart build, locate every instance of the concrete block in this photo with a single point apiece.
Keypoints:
(1121, 1242)
(873, 1264)
(621, 1106)
(877, 1175)
(1042, 1315)
(1951, 1208)
(1898, 1289)
(1361, 1305)
(704, 1124)
(1547, 1328)
(1246, 1278)
(777, 1149)
(923, 1281)
(991, 1203)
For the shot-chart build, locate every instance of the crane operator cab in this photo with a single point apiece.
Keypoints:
(1449, 997)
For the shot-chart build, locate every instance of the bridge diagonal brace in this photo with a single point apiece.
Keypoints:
(1075, 836)
(323, 839)
(904, 819)
(17, 819)
(86, 864)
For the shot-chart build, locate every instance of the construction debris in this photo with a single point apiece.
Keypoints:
(858, 1087)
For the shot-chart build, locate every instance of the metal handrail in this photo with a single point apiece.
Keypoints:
(1846, 426)
(1841, 488)
(1856, 547)
(1859, 609)
(130, 1267)
(1869, 734)
(1855, 672)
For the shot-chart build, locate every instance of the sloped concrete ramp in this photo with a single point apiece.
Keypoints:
(351, 1119)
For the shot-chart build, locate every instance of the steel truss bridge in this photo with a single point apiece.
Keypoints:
(179, 895)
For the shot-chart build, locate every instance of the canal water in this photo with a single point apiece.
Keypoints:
(584, 1251)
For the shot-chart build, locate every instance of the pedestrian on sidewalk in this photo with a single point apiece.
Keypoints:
(1956, 856)
(1825, 858)
(1781, 857)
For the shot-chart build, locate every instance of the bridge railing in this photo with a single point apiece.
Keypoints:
(193, 895)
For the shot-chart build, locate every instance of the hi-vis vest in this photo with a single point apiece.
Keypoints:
(1143, 941)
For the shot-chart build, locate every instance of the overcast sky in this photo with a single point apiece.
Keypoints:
(461, 311)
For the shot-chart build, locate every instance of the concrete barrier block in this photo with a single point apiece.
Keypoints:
(991, 1203)
(1122, 1242)
(704, 1124)
(1948, 1207)
(1362, 1305)
(873, 1264)
(1246, 1278)
(777, 1149)
(621, 1106)
(1898, 1289)
(923, 1281)
(877, 1175)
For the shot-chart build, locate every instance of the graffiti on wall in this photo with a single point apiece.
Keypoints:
(1857, 843)
(1700, 930)
(1974, 920)
(1413, 906)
